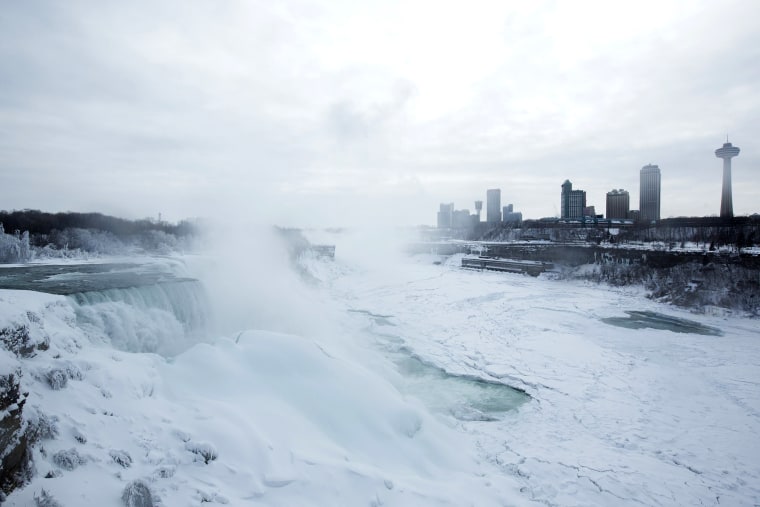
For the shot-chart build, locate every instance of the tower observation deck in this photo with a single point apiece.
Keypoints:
(727, 152)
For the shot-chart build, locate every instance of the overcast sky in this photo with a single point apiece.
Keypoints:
(345, 112)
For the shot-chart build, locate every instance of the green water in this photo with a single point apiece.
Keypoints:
(66, 279)
(468, 398)
(654, 320)
(464, 397)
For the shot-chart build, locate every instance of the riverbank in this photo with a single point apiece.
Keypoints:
(688, 277)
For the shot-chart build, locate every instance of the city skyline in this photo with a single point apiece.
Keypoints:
(574, 203)
(320, 114)
(711, 186)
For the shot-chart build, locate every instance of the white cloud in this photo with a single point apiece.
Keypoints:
(195, 106)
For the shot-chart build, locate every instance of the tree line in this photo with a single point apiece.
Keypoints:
(709, 232)
(29, 234)
(38, 222)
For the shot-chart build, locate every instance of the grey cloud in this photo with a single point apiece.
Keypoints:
(349, 121)
(191, 105)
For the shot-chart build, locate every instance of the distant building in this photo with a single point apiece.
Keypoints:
(508, 215)
(493, 205)
(589, 211)
(445, 216)
(573, 201)
(649, 193)
(634, 215)
(618, 204)
(727, 152)
(461, 219)
(478, 209)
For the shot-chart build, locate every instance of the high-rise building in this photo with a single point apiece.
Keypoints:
(649, 193)
(727, 152)
(509, 215)
(618, 204)
(493, 205)
(445, 216)
(478, 209)
(573, 201)
(460, 219)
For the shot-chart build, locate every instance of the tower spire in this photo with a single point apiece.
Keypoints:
(727, 152)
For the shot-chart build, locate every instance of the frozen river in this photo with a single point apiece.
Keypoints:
(632, 402)
(73, 278)
(379, 381)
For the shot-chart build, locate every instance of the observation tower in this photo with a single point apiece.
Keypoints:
(727, 152)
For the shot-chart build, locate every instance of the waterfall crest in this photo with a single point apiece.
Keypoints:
(164, 318)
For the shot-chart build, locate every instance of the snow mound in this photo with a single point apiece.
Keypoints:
(263, 417)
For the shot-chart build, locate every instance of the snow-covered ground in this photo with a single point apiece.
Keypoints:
(309, 403)
(618, 417)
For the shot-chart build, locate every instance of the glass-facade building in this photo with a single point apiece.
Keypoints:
(649, 193)
(493, 205)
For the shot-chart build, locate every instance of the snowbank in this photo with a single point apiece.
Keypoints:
(262, 417)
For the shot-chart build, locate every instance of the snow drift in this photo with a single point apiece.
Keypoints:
(147, 400)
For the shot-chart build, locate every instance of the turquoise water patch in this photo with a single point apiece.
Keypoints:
(466, 398)
(654, 320)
